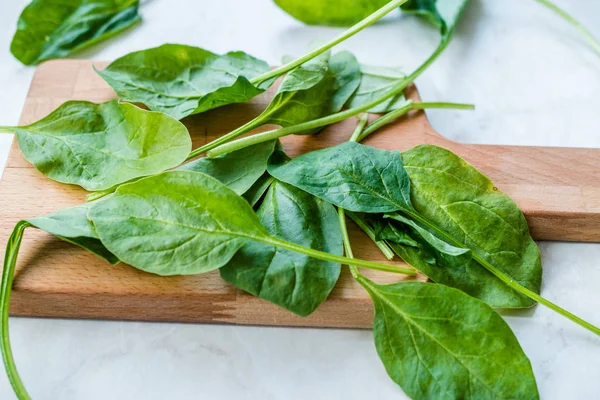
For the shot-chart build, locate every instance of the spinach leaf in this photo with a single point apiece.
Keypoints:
(442, 14)
(56, 28)
(175, 223)
(375, 83)
(97, 146)
(452, 194)
(331, 12)
(182, 80)
(439, 343)
(257, 191)
(447, 193)
(294, 281)
(351, 176)
(72, 225)
(238, 170)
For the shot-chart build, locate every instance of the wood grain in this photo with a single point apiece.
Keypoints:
(557, 188)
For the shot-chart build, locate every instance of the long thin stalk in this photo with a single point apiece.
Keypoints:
(273, 241)
(6, 129)
(409, 106)
(10, 261)
(333, 118)
(346, 242)
(362, 121)
(587, 35)
(370, 20)
(385, 249)
(505, 278)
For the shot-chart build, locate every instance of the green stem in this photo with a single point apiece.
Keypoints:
(247, 127)
(6, 129)
(10, 261)
(370, 20)
(346, 241)
(362, 224)
(505, 278)
(333, 118)
(273, 241)
(567, 17)
(409, 106)
(362, 121)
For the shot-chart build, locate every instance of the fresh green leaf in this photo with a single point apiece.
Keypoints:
(258, 190)
(385, 230)
(56, 28)
(460, 200)
(346, 73)
(375, 83)
(331, 12)
(72, 225)
(182, 80)
(352, 176)
(439, 343)
(441, 13)
(294, 281)
(97, 146)
(238, 170)
(175, 223)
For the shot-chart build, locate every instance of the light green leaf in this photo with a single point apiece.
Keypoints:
(97, 146)
(175, 223)
(352, 176)
(375, 83)
(439, 343)
(72, 225)
(182, 80)
(56, 28)
(460, 200)
(331, 12)
(239, 170)
(291, 280)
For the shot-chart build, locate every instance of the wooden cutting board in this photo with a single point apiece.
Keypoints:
(557, 188)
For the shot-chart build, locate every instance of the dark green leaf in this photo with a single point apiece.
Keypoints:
(183, 80)
(291, 280)
(439, 343)
(56, 28)
(352, 176)
(460, 200)
(97, 146)
(443, 14)
(239, 170)
(330, 12)
(385, 230)
(347, 78)
(175, 223)
(72, 225)
(375, 83)
(257, 191)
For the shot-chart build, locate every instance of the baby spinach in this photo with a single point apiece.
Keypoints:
(56, 28)
(185, 222)
(318, 88)
(442, 14)
(294, 281)
(364, 179)
(439, 343)
(258, 190)
(332, 13)
(182, 80)
(375, 82)
(97, 146)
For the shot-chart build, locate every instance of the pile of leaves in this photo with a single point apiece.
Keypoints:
(274, 226)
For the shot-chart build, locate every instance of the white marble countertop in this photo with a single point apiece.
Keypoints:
(534, 81)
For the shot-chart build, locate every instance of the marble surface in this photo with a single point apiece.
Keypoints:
(534, 81)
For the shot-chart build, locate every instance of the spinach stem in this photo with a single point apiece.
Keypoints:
(346, 241)
(247, 127)
(273, 241)
(593, 42)
(6, 129)
(362, 224)
(10, 261)
(362, 121)
(368, 21)
(409, 106)
(505, 278)
(333, 118)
